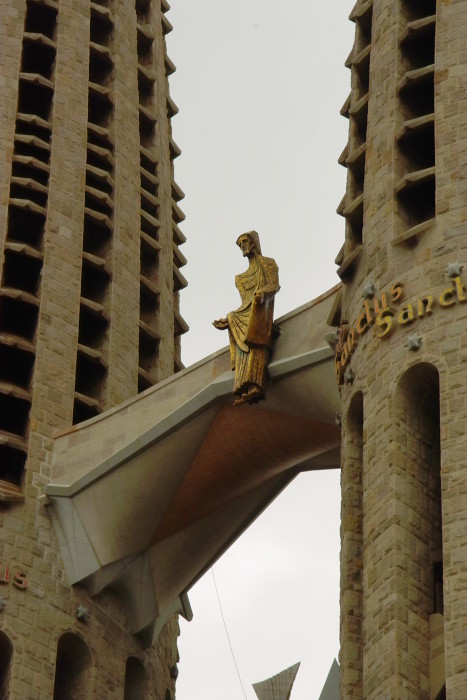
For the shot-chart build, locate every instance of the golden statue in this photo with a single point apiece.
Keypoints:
(251, 327)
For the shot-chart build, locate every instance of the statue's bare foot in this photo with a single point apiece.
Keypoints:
(254, 395)
(241, 399)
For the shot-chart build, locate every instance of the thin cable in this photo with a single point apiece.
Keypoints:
(227, 634)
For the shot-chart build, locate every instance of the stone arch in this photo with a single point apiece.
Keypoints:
(73, 668)
(418, 492)
(6, 657)
(135, 679)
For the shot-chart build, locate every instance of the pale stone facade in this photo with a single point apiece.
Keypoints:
(88, 308)
(404, 400)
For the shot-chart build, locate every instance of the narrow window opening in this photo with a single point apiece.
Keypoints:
(38, 57)
(6, 655)
(416, 9)
(420, 565)
(438, 595)
(94, 283)
(21, 272)
(100, 68)
(96, 238)
(12, 459)
(18, 318)
(41, 19)
(149, 262)
(15, 413)
(143, 9)
(73, 666)
(101, 29)
(92, 328)
(90, 376)
(100, 109)
(418, 98)
(16, 365)
(25, 226)
(34, 98)
(148, 163)
(83, 411)
(135, 679)
(28, 168)
(148, 351)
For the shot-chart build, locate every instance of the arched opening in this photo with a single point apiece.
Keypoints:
(72, 671)
(135, 679)
(6, 655)
(351, 654)
(418, 489)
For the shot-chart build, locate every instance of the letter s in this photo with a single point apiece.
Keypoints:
(397, 290)
(20, 580)
(384, 321)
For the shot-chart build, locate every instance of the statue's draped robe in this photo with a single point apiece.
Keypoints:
(251, 325)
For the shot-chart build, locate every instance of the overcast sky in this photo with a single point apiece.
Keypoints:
(259, 84)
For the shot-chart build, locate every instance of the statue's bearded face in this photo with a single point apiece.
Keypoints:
(246, 245)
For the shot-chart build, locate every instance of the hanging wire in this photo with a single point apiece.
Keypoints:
(227, 633)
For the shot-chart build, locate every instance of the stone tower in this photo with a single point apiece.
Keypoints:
(400, 357)
(89, 310)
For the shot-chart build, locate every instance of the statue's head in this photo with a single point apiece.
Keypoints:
(249, 242)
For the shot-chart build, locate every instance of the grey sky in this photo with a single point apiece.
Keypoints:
(259, 84)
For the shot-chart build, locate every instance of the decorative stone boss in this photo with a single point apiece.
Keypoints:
(251, 327)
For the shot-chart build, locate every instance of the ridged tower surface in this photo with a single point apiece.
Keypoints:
(90, 277)
(401, 358)
(277, 687)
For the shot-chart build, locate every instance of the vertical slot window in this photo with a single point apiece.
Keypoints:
(418, 486)
(91, 366)
(22, 264)
(6, 656)
(73, 669)
(416, 188)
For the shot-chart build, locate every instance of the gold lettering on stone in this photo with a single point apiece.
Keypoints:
(406, 315)
(460, 289)
(445, 298)
(384, 321)
(424, 305)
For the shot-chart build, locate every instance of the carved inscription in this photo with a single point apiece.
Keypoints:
(18, 579)
(381, 315)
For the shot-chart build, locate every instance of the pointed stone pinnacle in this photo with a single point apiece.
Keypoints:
(454, 269)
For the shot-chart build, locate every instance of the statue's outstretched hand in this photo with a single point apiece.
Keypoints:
(221, 324)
